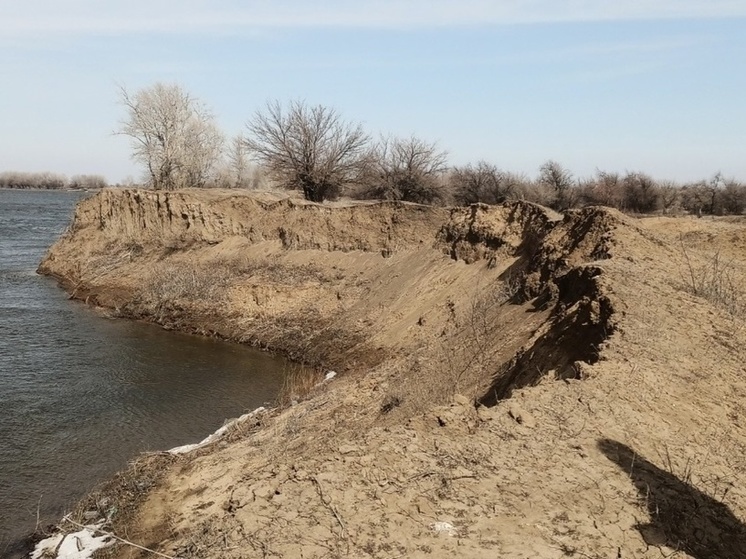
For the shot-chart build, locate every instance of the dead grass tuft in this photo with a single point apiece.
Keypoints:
(298, 383)
(274, 271)
(170, 284)
(717, 280)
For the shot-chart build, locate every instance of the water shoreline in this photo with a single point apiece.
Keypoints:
(130, 382)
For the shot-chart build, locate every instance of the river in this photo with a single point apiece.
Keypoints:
(81, 394)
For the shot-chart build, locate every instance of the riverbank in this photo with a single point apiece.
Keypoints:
(72, 380)
(500, 367)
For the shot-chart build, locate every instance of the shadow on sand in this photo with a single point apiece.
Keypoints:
(681, 517)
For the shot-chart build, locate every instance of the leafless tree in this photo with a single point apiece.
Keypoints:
(715, 187)
(561, 182)
(310, 148)
(733, 197)
(87, 182)
(408, 169)
(173, 135)
(483, 182)
(668, 195)
(640, 192)
(46, 180)
(715, 196)
(238, 163)
(608, 189)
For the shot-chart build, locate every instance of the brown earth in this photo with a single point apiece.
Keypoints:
(515, 383)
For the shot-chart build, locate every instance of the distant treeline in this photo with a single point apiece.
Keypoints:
(632, 192)
(314, 150)
(50, 181)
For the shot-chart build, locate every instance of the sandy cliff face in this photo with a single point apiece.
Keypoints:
(516, 382)
(333, 284)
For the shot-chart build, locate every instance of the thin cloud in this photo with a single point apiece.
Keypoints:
(193, 16)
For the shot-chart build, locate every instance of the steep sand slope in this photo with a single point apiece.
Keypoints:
(609, 399)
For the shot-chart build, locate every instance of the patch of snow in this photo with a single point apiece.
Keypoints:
(330, 375)
(445, 527)
(78, 545)
(216, 435)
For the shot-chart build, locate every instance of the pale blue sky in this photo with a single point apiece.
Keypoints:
(655, 86)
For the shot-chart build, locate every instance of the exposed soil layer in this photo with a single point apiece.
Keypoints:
(517, 383)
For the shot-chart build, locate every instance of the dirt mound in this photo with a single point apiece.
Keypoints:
(552, 266)
(514, 378)
(483, 232)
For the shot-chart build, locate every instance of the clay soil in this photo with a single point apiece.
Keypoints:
(512, 382)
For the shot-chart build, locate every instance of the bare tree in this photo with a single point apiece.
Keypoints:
(310, 148)
(87, 182)
(173, 135)
(238, 162)
(482, 182)
(408, 169)
(561, 182)
(608, 189)
(46, 180)
(733, 197)
(640, 192)
(668, 195)
(715, 187)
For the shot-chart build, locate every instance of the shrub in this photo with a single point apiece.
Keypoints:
(406, 169)
(483, 183)
(716, 280)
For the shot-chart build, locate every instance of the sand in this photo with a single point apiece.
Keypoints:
(512, 382)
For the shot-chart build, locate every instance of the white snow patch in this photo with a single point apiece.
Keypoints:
(216, 435)
(78, 545)
(444, 527)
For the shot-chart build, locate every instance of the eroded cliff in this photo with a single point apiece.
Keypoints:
(516, 382)
(327, 284)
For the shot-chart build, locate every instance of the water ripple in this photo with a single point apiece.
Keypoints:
(80, 394)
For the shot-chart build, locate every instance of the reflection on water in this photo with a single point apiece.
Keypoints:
(80, 394)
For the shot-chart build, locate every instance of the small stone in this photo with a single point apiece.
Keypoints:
(485, 414)
(90, 515)
(265, 491)
(231, 505)
(521, 416)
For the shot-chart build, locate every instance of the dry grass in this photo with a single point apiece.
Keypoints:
(476, 333)
(275, 271)
(169, 284)
(298, 383)
(717, 280)
(461, 356)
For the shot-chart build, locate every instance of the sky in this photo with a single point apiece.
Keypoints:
(657, 86)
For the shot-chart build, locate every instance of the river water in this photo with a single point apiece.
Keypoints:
(81, 394)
